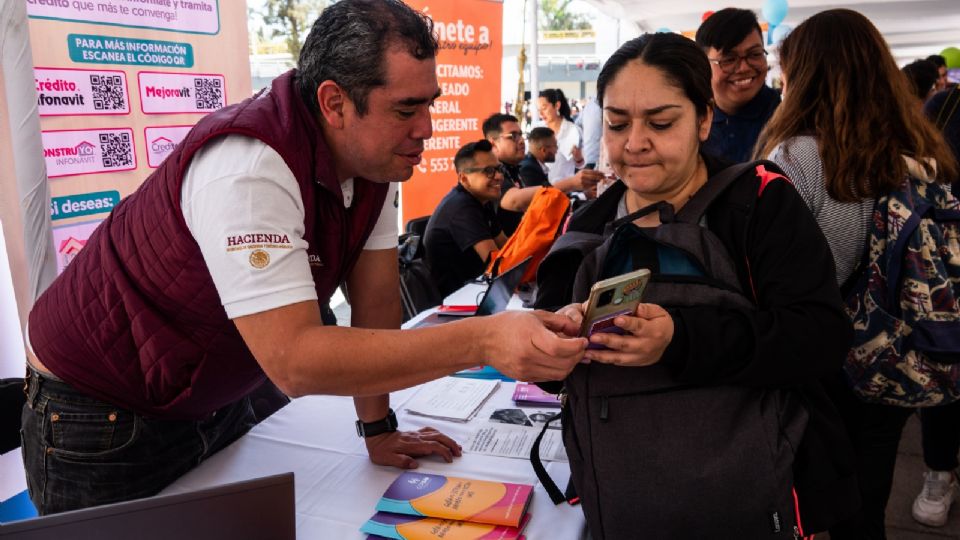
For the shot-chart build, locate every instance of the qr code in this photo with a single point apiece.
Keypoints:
(108, 93)
(116, 150)
(209, 93)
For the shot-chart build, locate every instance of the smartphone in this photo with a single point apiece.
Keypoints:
(611, 298)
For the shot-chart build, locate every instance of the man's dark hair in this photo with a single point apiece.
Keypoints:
(678, 58)
(466, 153)
(922, 75)
(726, 28)
(538, 135)
(937, 60)
(493, 126)
(348, 45)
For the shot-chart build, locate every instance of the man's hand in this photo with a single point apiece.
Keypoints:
(399, 448)
(588, 179)
(530, 346)
(647, 336)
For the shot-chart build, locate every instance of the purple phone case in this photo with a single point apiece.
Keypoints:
(605, 324)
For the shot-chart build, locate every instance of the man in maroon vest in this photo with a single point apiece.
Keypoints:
(215, 275)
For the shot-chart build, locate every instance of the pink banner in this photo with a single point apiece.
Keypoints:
(70, 239)
(199, 16)
(88, 151)
(167, 93)
(68, 92)
(161, 140)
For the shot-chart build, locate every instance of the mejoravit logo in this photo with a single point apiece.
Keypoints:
(162, 145)
(164, 93)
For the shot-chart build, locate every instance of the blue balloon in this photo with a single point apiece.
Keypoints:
(774, 11)
(664, 30)
(780, 32)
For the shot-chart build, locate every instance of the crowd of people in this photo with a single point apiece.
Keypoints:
(751, 208)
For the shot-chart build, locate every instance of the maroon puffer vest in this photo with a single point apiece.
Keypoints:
(135, 319)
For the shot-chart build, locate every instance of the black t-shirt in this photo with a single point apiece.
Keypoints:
(459, 222)
(509, 220)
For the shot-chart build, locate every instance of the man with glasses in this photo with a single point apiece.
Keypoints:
(743, 102)
(503, 132)
(464, 229)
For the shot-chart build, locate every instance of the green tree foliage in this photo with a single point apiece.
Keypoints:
(554, 16)
(292, 19)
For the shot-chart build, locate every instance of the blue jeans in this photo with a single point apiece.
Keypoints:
(79, 451)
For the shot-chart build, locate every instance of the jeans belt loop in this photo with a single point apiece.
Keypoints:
(32, 387)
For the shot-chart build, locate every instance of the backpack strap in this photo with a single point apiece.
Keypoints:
(557, 496)
(696, 207)
(693, 210)
(948, 108)
(593, 216)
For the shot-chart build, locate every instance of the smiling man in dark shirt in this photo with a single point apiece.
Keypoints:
(743, 102)
(464, 229)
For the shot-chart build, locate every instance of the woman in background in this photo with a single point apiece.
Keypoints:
(847, 132)
(555, 111)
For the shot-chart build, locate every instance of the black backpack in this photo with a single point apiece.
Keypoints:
(648, 453)
(417, 290)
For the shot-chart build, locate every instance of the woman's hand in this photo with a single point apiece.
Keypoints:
(646, 336)
(574, 312)
(577, 156)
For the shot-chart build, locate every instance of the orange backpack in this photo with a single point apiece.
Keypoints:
(538, 229)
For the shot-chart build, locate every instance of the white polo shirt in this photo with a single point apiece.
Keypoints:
(239, 196)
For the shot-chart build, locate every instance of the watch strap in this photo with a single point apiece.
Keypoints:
(378, 427)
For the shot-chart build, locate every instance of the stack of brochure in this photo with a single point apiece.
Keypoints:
(420, 506)
(451, 398)
(530, 394)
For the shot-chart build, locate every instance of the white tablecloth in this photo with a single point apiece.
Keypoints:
(337, 486)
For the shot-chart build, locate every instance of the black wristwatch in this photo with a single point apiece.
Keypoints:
(372, 429)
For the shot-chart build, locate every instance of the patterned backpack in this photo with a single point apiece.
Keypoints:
(904, 302)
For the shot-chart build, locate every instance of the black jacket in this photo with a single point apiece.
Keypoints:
(798, 333)
(531, 173)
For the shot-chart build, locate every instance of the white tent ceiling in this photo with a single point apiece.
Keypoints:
(912, 28)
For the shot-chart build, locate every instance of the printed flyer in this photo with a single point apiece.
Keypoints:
(401, 527)
(450, 497)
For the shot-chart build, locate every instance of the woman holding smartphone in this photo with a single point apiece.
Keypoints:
(704, 413)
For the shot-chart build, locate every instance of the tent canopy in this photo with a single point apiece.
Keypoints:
(913, 28)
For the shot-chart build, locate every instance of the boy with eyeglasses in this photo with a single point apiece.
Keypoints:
(733, 42)
(464, 229)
